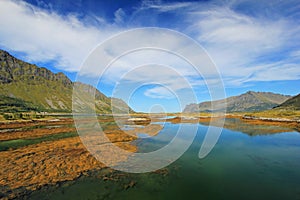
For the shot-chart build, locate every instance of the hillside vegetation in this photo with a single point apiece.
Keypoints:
(291, 104)
(27, 87)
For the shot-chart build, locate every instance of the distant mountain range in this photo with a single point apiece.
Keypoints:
(291, 104)
(247, 102)
(27, 87)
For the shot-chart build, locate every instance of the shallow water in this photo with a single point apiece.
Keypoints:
(240, 166)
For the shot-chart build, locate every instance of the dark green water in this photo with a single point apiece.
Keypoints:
(239, 167)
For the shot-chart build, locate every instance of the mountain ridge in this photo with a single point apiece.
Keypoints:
(38, 88)
(249, 101)
(290, 104)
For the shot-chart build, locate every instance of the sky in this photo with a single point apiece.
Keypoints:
(255, 45)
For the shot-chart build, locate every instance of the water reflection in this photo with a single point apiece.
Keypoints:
(239, 167)
(236, 124)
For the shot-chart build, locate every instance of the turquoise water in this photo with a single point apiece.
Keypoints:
(240, 166)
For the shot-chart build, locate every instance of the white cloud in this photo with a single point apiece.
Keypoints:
(295, 55)
(245, 47)
(153, 59)
(160, 92)
(46, 36)
(276, 72)
(243, 38)
(119, 16)
(165, 7)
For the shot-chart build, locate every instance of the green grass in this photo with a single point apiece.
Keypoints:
(291, 104)
(276, 113)
(9, 104)
(14, 144)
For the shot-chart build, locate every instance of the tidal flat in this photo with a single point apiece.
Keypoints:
(252, 160)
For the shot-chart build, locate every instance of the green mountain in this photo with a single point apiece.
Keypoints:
(27, 87)
(290, 104)
(250, 101)
(9, 104)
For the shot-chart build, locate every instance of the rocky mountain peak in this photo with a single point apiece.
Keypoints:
(13, 70)
(249, 101)
(31, 88)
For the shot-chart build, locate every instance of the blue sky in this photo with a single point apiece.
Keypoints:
(254, 44)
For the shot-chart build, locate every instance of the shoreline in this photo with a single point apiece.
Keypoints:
(55, 162)
(67, 150)
(271, 119)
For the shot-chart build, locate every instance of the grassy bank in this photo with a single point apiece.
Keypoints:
(276, 113)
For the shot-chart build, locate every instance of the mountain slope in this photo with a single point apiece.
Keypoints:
(9, 104)
(250, 101)
(34, 88)
(291, 104)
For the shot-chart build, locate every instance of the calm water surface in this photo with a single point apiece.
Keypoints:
(240, 166)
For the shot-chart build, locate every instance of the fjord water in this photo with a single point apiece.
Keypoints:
(240, 166)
